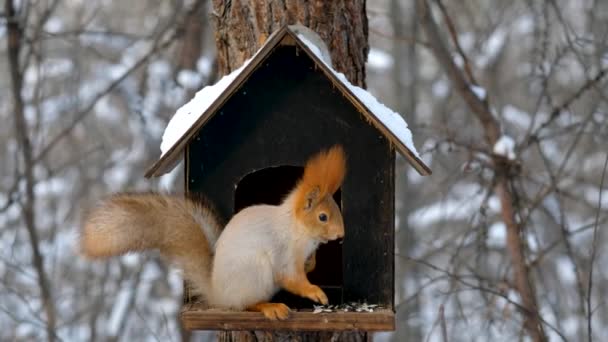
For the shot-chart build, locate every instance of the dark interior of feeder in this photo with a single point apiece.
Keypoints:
(270, 186)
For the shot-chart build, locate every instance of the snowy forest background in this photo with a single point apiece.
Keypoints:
(97, 81)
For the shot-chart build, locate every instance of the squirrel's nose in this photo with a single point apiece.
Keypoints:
(340, 234)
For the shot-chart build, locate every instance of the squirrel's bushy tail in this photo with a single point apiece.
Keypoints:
(184, 230)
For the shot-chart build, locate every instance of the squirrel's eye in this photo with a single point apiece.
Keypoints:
(323, 217)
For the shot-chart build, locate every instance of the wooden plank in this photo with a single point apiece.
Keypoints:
(197, 317)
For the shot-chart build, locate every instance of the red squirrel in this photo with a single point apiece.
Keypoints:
(262, 249)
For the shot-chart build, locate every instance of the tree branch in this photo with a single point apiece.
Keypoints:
(594, 254)
(15, 37)
(480, 108)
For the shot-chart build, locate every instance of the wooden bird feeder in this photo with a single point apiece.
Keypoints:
(249, 146)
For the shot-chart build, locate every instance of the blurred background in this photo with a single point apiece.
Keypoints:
(86, 99)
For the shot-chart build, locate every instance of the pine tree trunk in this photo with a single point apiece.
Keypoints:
(242, 26)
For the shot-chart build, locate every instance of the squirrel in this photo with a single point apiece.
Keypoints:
(261, 249)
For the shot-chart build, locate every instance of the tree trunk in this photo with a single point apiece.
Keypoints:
(242, 26)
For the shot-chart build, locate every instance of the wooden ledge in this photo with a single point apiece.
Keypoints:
(197, 317)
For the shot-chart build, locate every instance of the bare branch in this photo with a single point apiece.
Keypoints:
(463, 280)
(594, 253)
(444, 329)
(556, 111)
(15, 36)
(504, 191)
(452, 29)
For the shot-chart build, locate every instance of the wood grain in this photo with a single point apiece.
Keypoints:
(197, 317)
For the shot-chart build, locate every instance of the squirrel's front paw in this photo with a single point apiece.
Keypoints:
(315, 293)
(273, 311)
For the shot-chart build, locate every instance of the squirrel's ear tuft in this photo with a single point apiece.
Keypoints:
(326, 170)
(312, 197)
(323, 175)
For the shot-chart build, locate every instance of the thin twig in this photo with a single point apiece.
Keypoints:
(556, 111)
(14, 45)
(452, 29)
(88, 108)
(444, 329)
(505, 193)
(594, 253)
(461, 279)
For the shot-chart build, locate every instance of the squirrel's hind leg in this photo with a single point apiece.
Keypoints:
(272, 311)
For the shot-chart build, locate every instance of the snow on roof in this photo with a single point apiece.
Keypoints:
(188, 115)
(392, 120)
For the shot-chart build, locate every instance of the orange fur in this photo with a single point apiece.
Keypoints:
(323, 174)
(272, 311)
(130, 222)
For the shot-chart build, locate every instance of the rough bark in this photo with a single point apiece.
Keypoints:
(242, 26)
(505, 193)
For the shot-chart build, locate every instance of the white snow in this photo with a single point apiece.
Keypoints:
(313, 41)
(491, 48)
(592, 196)
(505, 146)
(462, 203)
(480, 92)
(565, 269)
(189, 79)
(204, 65)
(131, 260)
(188, 114)
(467, 40)
(119, 310)
(392, 120)
(497, 234)
(379, 60)
(441, 88)
(516, 116)
(524, 24)
(53, 25)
